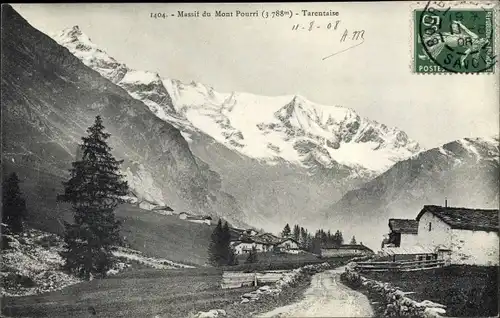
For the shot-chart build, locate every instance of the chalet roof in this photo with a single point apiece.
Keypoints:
(405, 226)
(287, 239)
(198, 217)
(464, 218)
(267, 238)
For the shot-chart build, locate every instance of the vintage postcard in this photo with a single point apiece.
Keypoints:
(250, 160)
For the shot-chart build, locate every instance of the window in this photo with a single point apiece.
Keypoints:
(430, 226)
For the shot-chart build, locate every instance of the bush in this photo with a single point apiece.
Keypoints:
(48, 241)
(351, 279)
(16, 280)
(5, 240)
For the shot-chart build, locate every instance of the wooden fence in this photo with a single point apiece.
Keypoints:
(231, 279)
(401, 266)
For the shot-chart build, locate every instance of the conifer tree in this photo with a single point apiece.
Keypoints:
(296, 233)
(13, 204)
(316, 246)
(214, 251)
(353, 240)
(337, 238)
(303, 237)
(252, 256)
(219, 249)
(94, 190)
(286, 231)
(232, 260)
(225, 245)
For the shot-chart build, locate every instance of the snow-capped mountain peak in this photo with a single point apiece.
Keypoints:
(269, 128)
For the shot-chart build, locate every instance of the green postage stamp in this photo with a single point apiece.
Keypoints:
(450, 39)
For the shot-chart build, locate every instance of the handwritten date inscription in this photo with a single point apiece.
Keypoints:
(356, 37)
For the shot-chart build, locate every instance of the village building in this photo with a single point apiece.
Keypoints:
(403, 233)
(265, 242)
(163, 210)
(246, 245)
(268, 238)
(287, 245)
(195, 218)
(239, 234)
(200, 219)
(460, 235)
(146, 205)
(346, 250)
(183, 215)
(250, 232)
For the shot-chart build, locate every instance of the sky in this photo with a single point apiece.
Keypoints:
(266, 56)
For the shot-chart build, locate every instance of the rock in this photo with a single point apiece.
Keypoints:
(431, 304)
(207, 314)
(434, 312)
(250, 296)
(222, 312)
(265, 289)
(245, 300)
(211, 313)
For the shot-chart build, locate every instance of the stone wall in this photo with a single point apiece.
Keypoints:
(396, 303)
(289, 279)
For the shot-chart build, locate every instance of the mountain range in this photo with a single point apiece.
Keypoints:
(49, 97)
(281, 157)
(254, 160)
(464, 172)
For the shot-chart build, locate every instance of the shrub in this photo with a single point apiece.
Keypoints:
(48, 241)
(17, 280)
(351, 279)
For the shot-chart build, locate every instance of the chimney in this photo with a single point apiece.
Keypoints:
(445, 202)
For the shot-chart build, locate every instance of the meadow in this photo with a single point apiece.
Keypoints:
(467, 291)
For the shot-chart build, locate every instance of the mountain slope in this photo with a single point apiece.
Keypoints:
(49, 98)
(283, 158)
(272, 129)
(463, 171)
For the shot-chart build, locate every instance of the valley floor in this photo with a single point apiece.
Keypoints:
(326, 297)
(134, 293)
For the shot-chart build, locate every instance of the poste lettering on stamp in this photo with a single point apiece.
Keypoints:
(456, 40)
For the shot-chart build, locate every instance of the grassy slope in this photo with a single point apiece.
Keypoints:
(151, 233)
(165, 236)
(465, 290)
(139, 293)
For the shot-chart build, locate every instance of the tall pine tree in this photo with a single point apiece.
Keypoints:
(286, 231)
(225, 245)
(353, 240)
(337, 238)
(94, 190)
(214, 251)
(296, 233)
(13, 204)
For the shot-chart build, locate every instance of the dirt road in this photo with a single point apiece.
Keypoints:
(326, 297)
